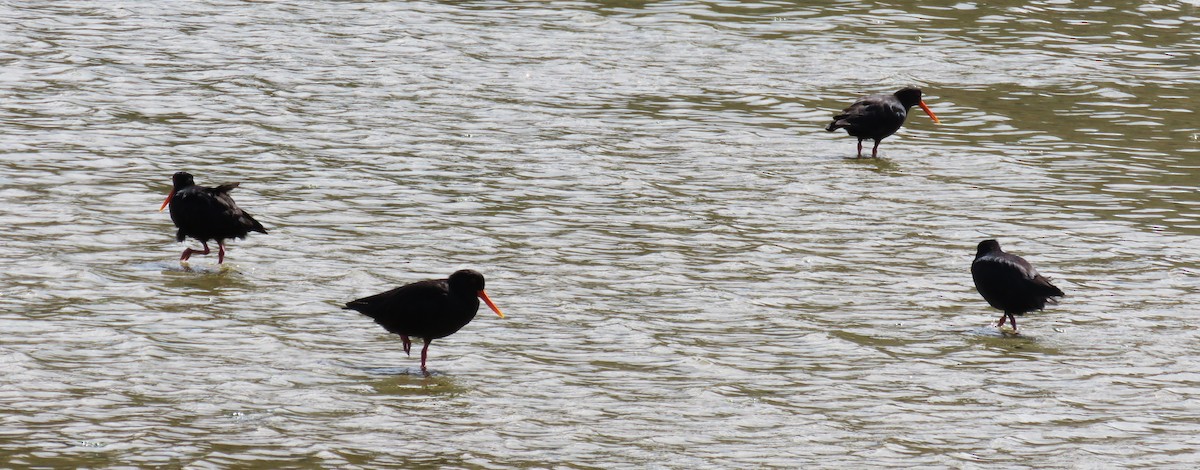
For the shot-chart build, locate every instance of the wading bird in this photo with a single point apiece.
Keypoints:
(1010, 283)
(878, 116)
(431, 309)
(207, 214)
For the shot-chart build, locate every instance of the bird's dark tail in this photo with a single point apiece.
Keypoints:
(361, 307)
(251, 224)
(1048, 289)
(837, 123)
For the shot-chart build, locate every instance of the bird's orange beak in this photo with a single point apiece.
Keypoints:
(925, 107)
(486, 300)
(168, 201)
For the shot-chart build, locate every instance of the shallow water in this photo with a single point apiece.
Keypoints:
(695, 274)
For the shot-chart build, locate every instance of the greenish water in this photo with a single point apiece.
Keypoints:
(695, 274)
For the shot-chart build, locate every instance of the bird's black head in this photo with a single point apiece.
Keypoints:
(908, 96)
(466, 280)
(987, 246)
(182, 180)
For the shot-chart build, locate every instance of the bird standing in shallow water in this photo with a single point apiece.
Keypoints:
(431, 309)
(1010, 283)
(878, 116)
(206, 214)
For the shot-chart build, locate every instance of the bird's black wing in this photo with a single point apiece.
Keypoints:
(413, 310)
(1007, 275)
(869, 113)
(1034, 281)
(401, 301)
(998, 280)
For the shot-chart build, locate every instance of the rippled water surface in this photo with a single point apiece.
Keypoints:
(695, 273)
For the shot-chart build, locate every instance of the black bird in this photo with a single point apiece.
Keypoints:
(1010, 283)
(427, 309)
(207, 214)
(878, 116)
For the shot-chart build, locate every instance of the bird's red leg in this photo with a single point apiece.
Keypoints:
(1003, 317)
(875, 150)
(407, 344)
(1013, 320)
(220, 251)
(187, 252)
(859, 148)
(424, 354)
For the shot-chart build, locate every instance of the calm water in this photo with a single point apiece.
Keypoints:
(696, 274)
